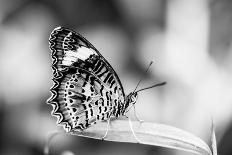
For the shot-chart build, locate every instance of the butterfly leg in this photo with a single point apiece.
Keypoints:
(108, 125)
(136, 116)
(133, 132)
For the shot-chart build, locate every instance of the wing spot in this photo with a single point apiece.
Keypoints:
(115, 89)
(88, 98)
(96, 103)
(102, 117)
(91, 112)
(86, 113)
(105, 109)
(71, 86)
(91, 88)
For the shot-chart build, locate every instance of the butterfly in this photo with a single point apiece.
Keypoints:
(86, 88)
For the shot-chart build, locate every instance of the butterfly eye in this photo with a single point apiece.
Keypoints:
(133, 98)
(136, 95)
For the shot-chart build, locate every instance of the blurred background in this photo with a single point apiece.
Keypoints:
(190, 42)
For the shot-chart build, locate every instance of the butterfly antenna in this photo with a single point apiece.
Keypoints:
(156, 85)
(143, 76)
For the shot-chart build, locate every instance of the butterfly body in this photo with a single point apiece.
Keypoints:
(86, 88)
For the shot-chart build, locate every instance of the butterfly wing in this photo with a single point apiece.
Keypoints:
(86, 88)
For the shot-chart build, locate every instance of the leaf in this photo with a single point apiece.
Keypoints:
(147, 133)
(213, 140)
(50, 136)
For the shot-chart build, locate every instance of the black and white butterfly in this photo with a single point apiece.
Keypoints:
(86, 88)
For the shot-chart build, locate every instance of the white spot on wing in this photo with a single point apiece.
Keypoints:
(84, 53)
(71, 56)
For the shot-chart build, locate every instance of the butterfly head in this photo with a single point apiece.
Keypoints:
(132, 97)
(130, 100)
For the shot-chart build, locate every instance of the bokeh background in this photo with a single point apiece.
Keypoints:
(190, 42)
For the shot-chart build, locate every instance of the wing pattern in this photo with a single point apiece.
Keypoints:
(86, 88)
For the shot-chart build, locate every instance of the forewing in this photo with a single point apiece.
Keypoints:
(86, 88)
